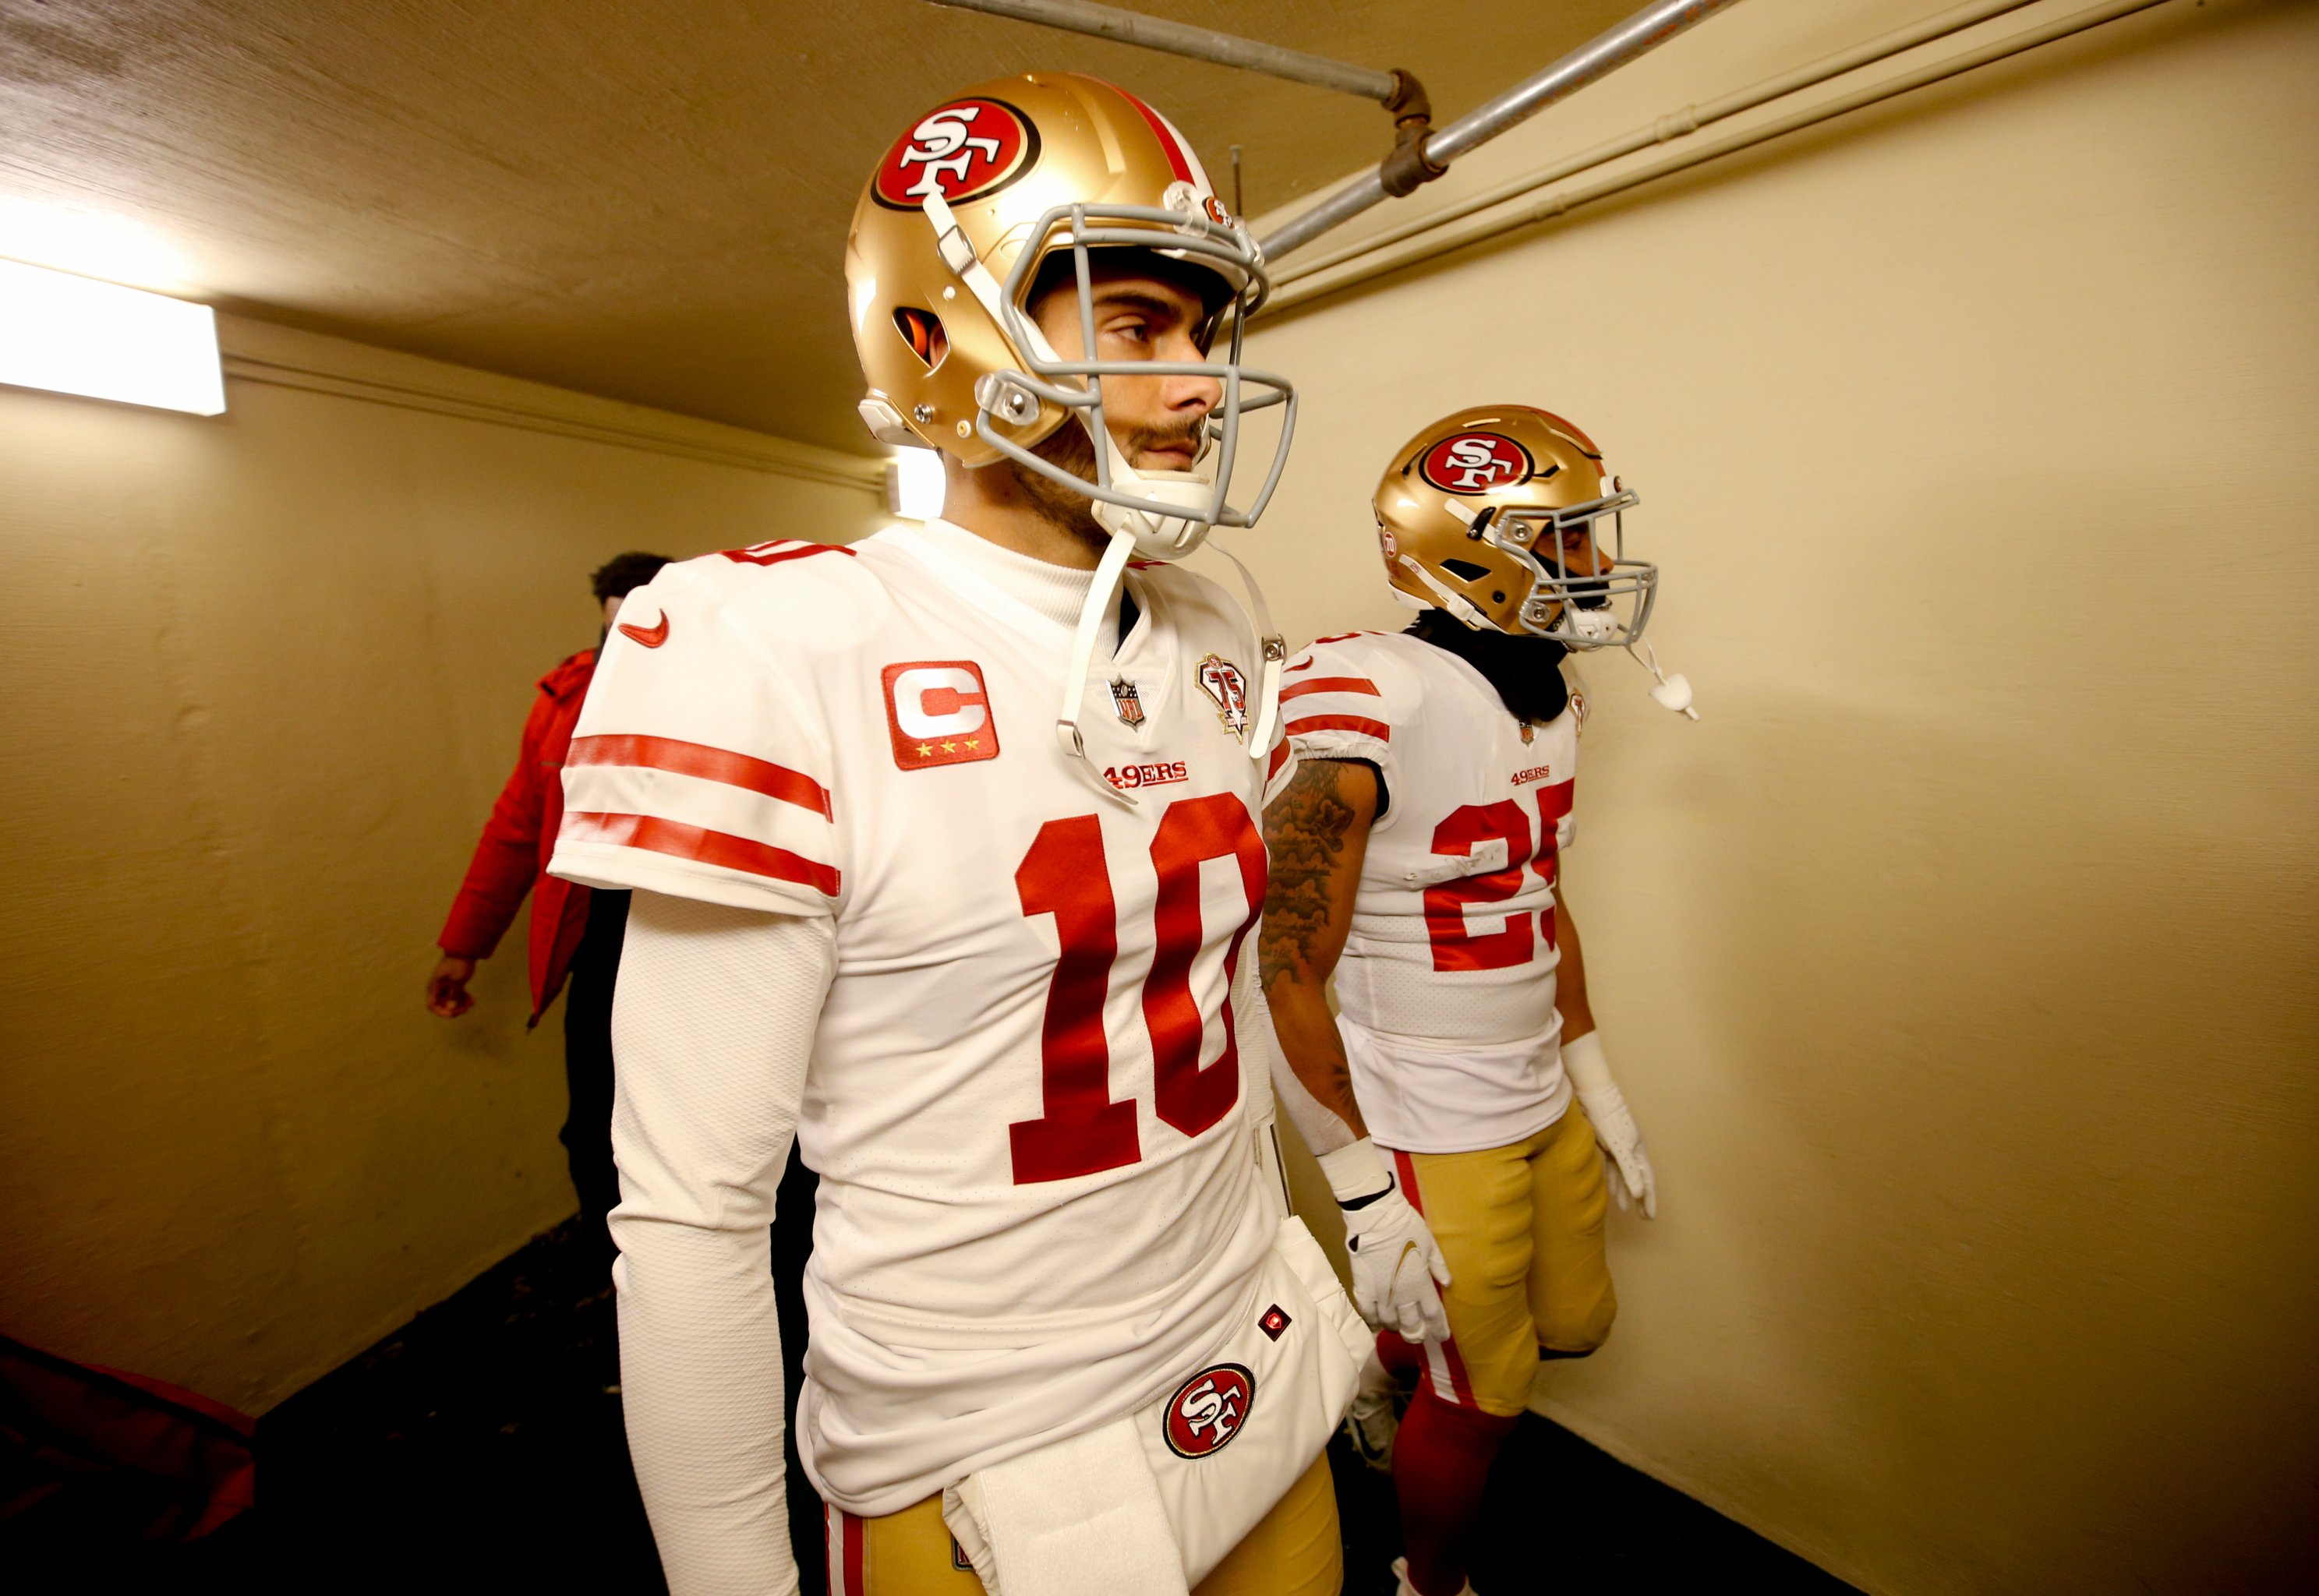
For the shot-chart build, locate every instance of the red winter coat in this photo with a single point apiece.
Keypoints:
(518, 839)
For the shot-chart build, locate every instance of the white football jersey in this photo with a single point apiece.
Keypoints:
(1446, 986)
(1024, 1098)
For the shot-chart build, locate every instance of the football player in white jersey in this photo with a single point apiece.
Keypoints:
(944, 846)
(1413, 859)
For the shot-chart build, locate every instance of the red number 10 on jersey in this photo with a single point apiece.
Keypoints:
(1083, 1131)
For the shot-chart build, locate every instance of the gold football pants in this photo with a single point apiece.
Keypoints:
(1521, 1228)
(1293, 1551)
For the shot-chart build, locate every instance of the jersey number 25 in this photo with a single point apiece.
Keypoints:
(1454, 948)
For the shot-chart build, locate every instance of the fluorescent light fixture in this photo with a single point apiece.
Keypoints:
(915, 485)
(93, 244)
(74, 335)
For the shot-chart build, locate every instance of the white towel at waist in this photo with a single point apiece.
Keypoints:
(1078, 1516)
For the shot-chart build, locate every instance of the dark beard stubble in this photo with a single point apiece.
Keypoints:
(1068, 448)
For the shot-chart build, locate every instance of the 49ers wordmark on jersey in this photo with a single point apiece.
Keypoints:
(938, 713)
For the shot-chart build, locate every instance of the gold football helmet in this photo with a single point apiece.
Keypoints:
(1498, 514)
(947, 240)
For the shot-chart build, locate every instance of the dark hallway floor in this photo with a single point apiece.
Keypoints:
(480, 1448)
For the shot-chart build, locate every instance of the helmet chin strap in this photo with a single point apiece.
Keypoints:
(950, 240)
(1160, 537)
(1274, 649)
(1587, 625)
(1452, 600)
(1157, 534)
(1107, 573)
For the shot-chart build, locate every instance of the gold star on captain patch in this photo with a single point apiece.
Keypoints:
(974, 741)
(950, 748)
(925, 749)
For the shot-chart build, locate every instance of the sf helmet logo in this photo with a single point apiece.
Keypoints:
(963, 151)
(1209, 1408)
(1475, 462)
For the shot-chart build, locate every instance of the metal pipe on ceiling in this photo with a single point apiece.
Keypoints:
(1630, 41)
(1382, 262)
(1181, 39)
(1675, 124)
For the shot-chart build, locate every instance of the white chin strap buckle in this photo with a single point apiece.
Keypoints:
(1592, 626)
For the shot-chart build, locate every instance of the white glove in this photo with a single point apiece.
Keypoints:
(1396, 1263)
(1626, 1166)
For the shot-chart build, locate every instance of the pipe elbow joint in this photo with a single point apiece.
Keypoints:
(1408, 167)
(1409, 101)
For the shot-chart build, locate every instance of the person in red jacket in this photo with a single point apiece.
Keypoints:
(576, 934)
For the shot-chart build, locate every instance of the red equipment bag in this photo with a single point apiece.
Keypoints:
(118, 1457)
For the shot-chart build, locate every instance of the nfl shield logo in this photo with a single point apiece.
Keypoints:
(1124, 699)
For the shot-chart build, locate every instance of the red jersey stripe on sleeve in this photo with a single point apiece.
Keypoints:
(1279, 758)
(1332, 684)
(710, 764)
(697, 843)
(777, 551)
(1341, 723)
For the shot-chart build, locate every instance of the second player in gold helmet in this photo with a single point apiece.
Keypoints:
(951, 234)
(1503, 516)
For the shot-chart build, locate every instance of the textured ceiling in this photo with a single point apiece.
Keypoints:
(644, 201)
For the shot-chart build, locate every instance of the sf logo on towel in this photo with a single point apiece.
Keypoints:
(1209, 1408)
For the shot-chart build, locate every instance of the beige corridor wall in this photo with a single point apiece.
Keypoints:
(263, 676)
(1960, 963)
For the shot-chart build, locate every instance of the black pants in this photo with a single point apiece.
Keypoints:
(587, 1133)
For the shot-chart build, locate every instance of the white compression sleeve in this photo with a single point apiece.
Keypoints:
(712, 1021)
(1323, 1130)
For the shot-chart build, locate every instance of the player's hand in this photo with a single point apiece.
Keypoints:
(1397, 1265)
(446, 986)
(1626, 1163)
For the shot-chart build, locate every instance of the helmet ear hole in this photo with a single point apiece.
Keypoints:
(923, 331)
(1464, 570)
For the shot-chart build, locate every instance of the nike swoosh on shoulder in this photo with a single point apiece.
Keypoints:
(652, 636)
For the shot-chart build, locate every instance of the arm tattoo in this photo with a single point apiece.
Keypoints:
(1306, 826)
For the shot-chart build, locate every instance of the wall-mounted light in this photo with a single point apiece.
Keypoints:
(915, 485)
(75, 334)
